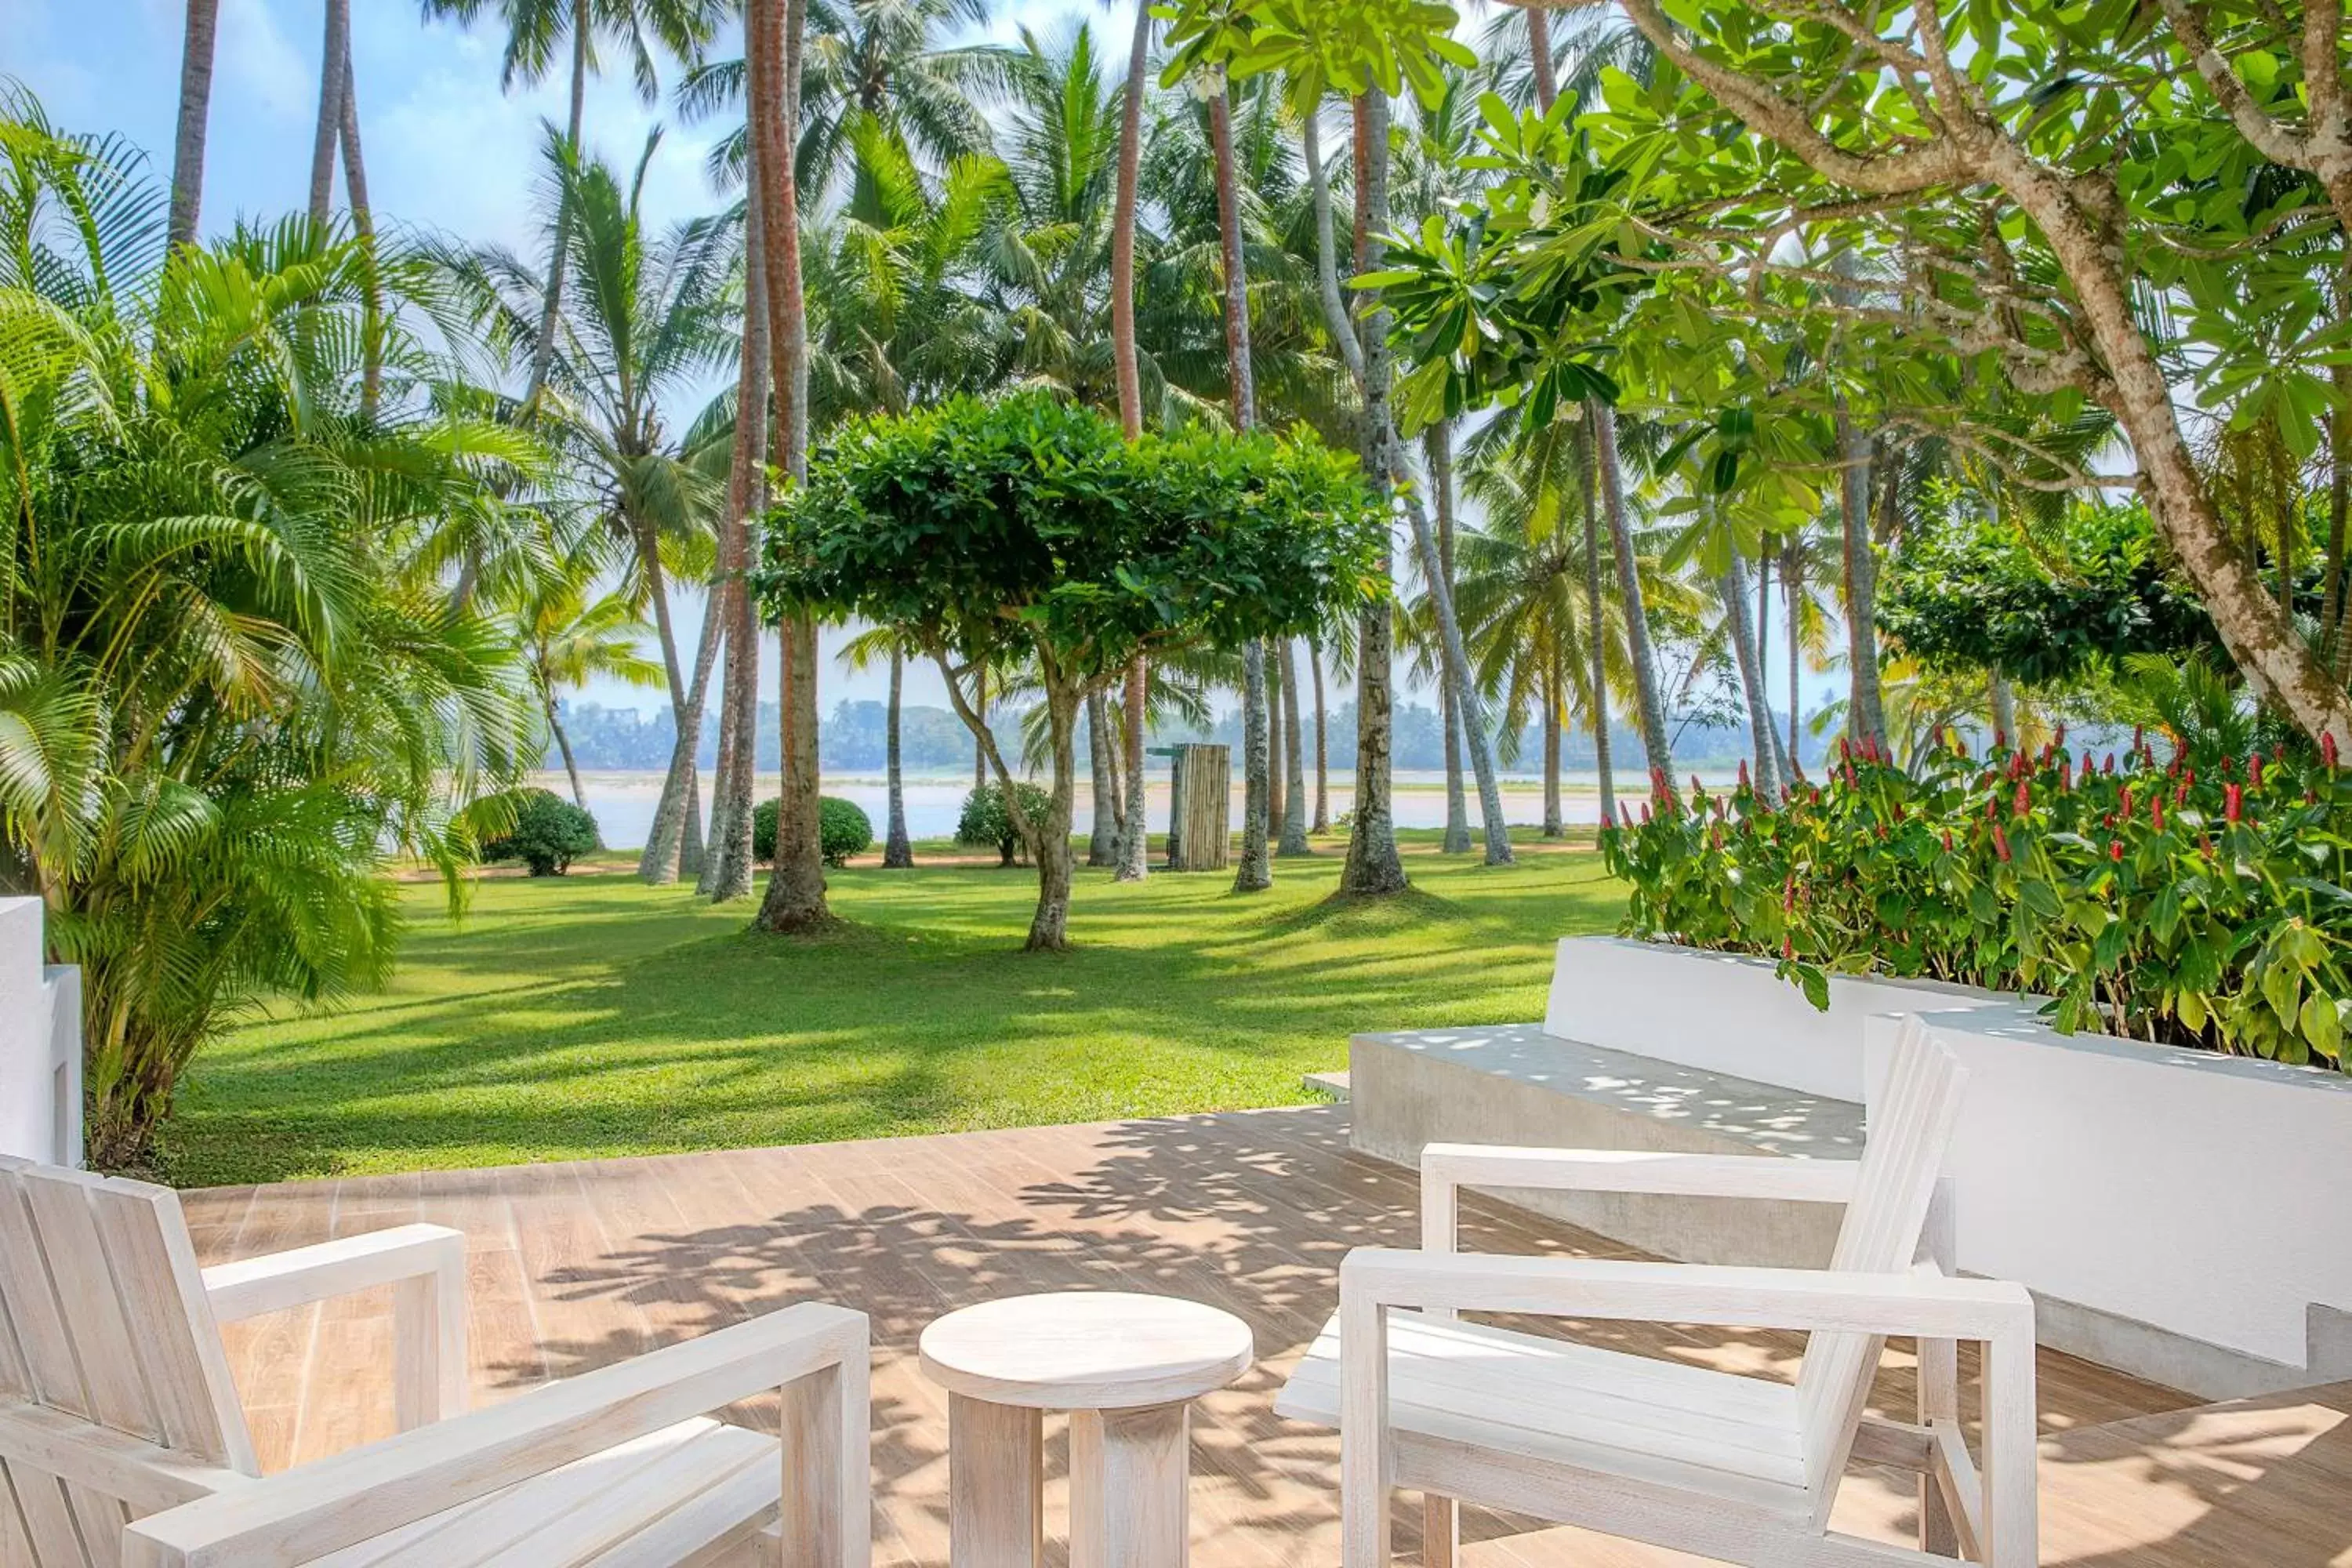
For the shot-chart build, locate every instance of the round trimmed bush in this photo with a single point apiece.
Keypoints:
(549, 834)
(842, 830)
(984, 819)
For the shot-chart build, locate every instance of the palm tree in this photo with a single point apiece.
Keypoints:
(873, 60)
(569, 638)
(1132, 853)
(223, 700)
(860, 653)
(645, 319)
(536, 30)
(196, 114)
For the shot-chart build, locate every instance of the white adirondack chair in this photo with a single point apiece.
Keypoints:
(1721, 1466)
(122, 1443)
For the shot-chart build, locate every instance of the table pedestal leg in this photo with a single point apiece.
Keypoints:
(1128, 1471)
(996, 1482)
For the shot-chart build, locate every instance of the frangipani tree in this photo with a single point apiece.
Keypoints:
(1026, 528)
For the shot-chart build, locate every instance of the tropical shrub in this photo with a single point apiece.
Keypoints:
(2163, 893)
(985, 821)
(549, 834)
(227, 688)
(843, 830)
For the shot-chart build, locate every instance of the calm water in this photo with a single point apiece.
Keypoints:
(624, 802)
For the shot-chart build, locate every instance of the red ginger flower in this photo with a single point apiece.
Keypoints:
(2156, 811)
(2000, 842)
(2110, 768)
(2327, 749)
(2233, 802)
(1947, 841)
(2254, 770)
(2115, 849)
(1743, 773)
(2023, 804)
(2125, 809)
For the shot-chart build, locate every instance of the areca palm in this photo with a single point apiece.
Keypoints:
(570, 638)
(221, 701)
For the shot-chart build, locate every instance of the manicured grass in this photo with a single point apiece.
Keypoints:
(589, 1015)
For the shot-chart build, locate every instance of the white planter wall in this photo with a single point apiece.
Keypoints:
(2181, 1213)
(40, 1043)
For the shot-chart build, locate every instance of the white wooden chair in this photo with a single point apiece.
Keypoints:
(1711, 1463)
(122, 1443)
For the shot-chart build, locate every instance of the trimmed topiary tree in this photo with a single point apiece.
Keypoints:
(1025, 531)
(549, 834)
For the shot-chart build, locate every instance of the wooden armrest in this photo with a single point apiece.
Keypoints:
(426, 1267)
(813, 1350)
(1639, 1171)
(1703, 1294)
(277, 1280)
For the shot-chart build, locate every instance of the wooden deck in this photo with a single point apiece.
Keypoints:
(574, 1266)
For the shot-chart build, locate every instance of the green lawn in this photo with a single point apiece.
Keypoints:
(590, 1016)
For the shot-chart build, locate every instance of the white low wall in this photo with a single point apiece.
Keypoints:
(40, 1043)
(2165, 1203)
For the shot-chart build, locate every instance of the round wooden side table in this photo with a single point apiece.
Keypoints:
(1127, 1368)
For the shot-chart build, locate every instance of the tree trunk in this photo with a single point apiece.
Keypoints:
(1253, 873)
(1734, 586)
(1293, 793)
(355, 189)
(897, 853)
(542, 351)
(1456, 663)
(1865, 719)
(1049, 928)
(1596, 632)
(1322, 822)
(2003, 700)
(1326, 265)
(563, 744)
(1372, 865)
(1103, 836)
(1645, 662)
(1760, 629)
(1134, 842)
(196, 113)
(728, 870)
(1134, 827)
(1276, 798)
(1539, 59)
(795, 897)
(1438, 443)
(1554, 695)
(663, 856)
(979, 752)
(329, 125)
(1792, 589)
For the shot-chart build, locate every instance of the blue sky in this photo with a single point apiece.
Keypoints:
(446, 148)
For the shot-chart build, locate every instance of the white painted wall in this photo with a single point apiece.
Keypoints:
(2203, 1195)
(1728, 1013)
(40, 1043)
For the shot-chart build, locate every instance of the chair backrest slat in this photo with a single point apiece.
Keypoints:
(103, 1318)
(1910, 1129)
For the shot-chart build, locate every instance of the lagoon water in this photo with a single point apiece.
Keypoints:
(623, 803)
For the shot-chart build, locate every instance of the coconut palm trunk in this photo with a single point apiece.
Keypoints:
(1322, 821)
(1293, 793)
(542, 350)
(1554, 697)
(328, 128)
(563, 745)
(1372, 865)
(196, 43)
(1133, 857)
(1437, 443)
(1639, 653)
(796, 898)
(1254, 871)
(896, 854)
(355, 191)
(1792, 589)
(1276, 746)
(728, 868)
(676, 815)
(1102, 836)
(1866, 721)
(1596, 631)
(1741, 625)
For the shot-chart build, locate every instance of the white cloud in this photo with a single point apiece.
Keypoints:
(258, 62)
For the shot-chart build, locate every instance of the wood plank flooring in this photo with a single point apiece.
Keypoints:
(576, 1266)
